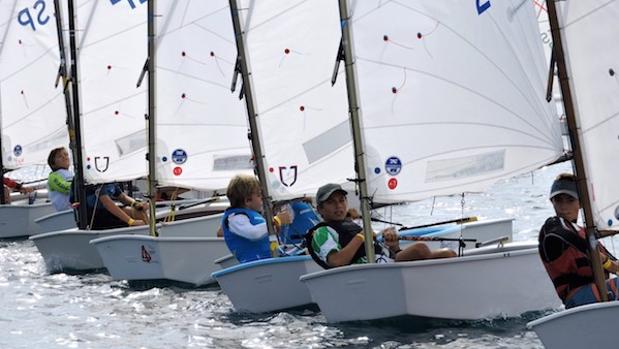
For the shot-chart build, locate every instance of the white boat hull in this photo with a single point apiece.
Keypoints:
(178, 259)
(56, 221)
(508, 282)
(274, 284)
(17, 219)
(70, 250)
(587, 326)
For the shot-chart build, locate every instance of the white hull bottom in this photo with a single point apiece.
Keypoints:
(71, 251)
(17, 219)
(267, 285)
(142, 258)
(502, 282)
(587, 326)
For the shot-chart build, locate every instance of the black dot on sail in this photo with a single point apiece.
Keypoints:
(302, 108)
(183, 96)
(611, 72)
(286, 51)
(394, 90)
(116, 112)
(212, 54)
(183, 54)
(419, 36)
(385, 38)
(109, 67)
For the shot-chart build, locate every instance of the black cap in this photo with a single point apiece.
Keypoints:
(326, 191)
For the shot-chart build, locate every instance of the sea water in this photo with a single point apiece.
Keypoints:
(38, 310)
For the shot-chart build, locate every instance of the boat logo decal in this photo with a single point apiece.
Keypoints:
(392, 183)
(145, 255)
(292, 172)
(17, 150)
(102, 163)
(179, 156)
(393, 165)
(481, 8)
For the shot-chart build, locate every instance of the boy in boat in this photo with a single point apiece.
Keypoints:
(339, 241)
(59, 180)
(107, 215)
(245, 229)
(564, 251)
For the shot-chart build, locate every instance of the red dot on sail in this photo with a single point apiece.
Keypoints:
(394, 90)
(183, 96)
(302, 108)
(392, 183)
(271, 169)
(286, 51)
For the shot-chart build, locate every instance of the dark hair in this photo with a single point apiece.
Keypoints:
(52, 157)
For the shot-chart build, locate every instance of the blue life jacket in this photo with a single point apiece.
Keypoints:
(304, 218)
(243, 249)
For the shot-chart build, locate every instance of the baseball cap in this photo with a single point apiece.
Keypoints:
(326, 191)
(564, 186)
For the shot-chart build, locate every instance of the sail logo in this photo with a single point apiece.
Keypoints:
(393, 165)
(286, 174)
(131, 2)
(17, 151)
(482, 7)
(102, 163)
(179, 156)
(25, 17)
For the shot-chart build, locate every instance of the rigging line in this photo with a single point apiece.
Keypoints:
(26, 116)
(209, 82)
(363, 15)
(28, 64)
(279, 14)
(60, 132)
(185, 13)
(113, 102)
(326, 81)
(231, 42)
(164, 32)
(6, 31)
(578, 19)
(113, 35)
(594, 126)
(538, 105)
(469, 43)
(456, 84)
(200, 125)
(546, 141)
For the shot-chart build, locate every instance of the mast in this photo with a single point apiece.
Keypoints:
(152, 180)
(2, 41)
(76, 135)
(355, 124)
(579, 165)
(251, 113)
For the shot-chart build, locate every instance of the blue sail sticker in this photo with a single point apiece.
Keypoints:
(17, 151)
(393, 165)
(179, 156)
(481, 8)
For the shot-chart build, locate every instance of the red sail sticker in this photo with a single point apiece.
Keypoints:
(392, 183)
(177, 171)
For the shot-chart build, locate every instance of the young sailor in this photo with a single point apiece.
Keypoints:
(339, 241)
(564, 252)
(245, 229)
(59, 180)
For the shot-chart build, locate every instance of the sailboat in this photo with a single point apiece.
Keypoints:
(586, 53)
(201, 139)
(291, 69)
(32, 110)
(460, 85)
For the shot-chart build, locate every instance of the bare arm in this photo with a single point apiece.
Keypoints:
(346, 254)
(109, 205)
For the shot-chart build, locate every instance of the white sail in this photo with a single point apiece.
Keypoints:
(451, 95)
(292, 48)
(112, 44)
(589, 30)
(201, 125)
(32, 108)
